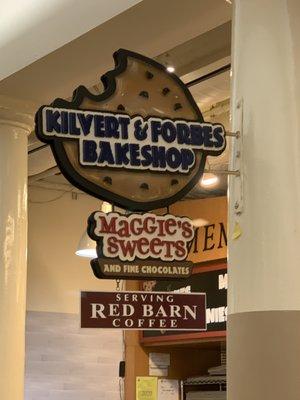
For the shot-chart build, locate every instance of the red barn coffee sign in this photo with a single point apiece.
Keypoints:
(143, 310)
(141, 144)
(138, 246)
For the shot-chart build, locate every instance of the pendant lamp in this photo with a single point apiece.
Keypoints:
(86, 246)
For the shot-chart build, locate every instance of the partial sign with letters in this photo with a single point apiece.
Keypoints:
(213, 282)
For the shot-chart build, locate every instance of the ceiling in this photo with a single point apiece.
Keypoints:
(32, 29)
(195, 56)
(212, 91)
(151, 27)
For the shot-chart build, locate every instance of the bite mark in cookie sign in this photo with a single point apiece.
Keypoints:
(141, 144)
(140, 246)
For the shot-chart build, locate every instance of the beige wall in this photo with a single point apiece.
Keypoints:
(63, 361)
(55, 274)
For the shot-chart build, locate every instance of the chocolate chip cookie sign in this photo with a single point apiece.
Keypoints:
(141, 144)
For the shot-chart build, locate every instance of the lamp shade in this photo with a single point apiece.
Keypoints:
(209, 180)
(86, 247)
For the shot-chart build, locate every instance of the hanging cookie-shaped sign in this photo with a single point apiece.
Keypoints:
(141, 144)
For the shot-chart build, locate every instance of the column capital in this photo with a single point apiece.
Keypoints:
(17, 113)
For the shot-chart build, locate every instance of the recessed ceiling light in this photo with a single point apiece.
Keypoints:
(170, 68)
(209, 180)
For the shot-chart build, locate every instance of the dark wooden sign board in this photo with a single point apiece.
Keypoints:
(140, 269)
(143, 310)
(210, 278)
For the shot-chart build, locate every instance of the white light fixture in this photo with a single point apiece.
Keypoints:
(198, 222)
(86, 246)
(106, 207)
(170, 68)
(209, 180)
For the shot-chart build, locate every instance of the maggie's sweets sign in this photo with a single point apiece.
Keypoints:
(143, 310)
(137, 246)
(141, 144)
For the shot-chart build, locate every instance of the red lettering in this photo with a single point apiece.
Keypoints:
(153, 236)
(169, 246)
(161, 225)
(123, 230)
(106, 227)
(171, 223)
(141, 243)
(136, 226)
(112, 245)
(127, 247)
(180, 249)
(149, 225)
(155, 243)
(187, 230)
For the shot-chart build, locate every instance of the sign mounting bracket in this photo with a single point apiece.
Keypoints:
(236, 163)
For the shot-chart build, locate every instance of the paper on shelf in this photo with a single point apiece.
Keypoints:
(159, 359)
(168, 389)
(146, 388)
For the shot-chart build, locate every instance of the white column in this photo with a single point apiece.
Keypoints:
(264, 262)
(16, 122)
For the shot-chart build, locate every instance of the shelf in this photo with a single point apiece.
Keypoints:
(201, 340)
(205, 380)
